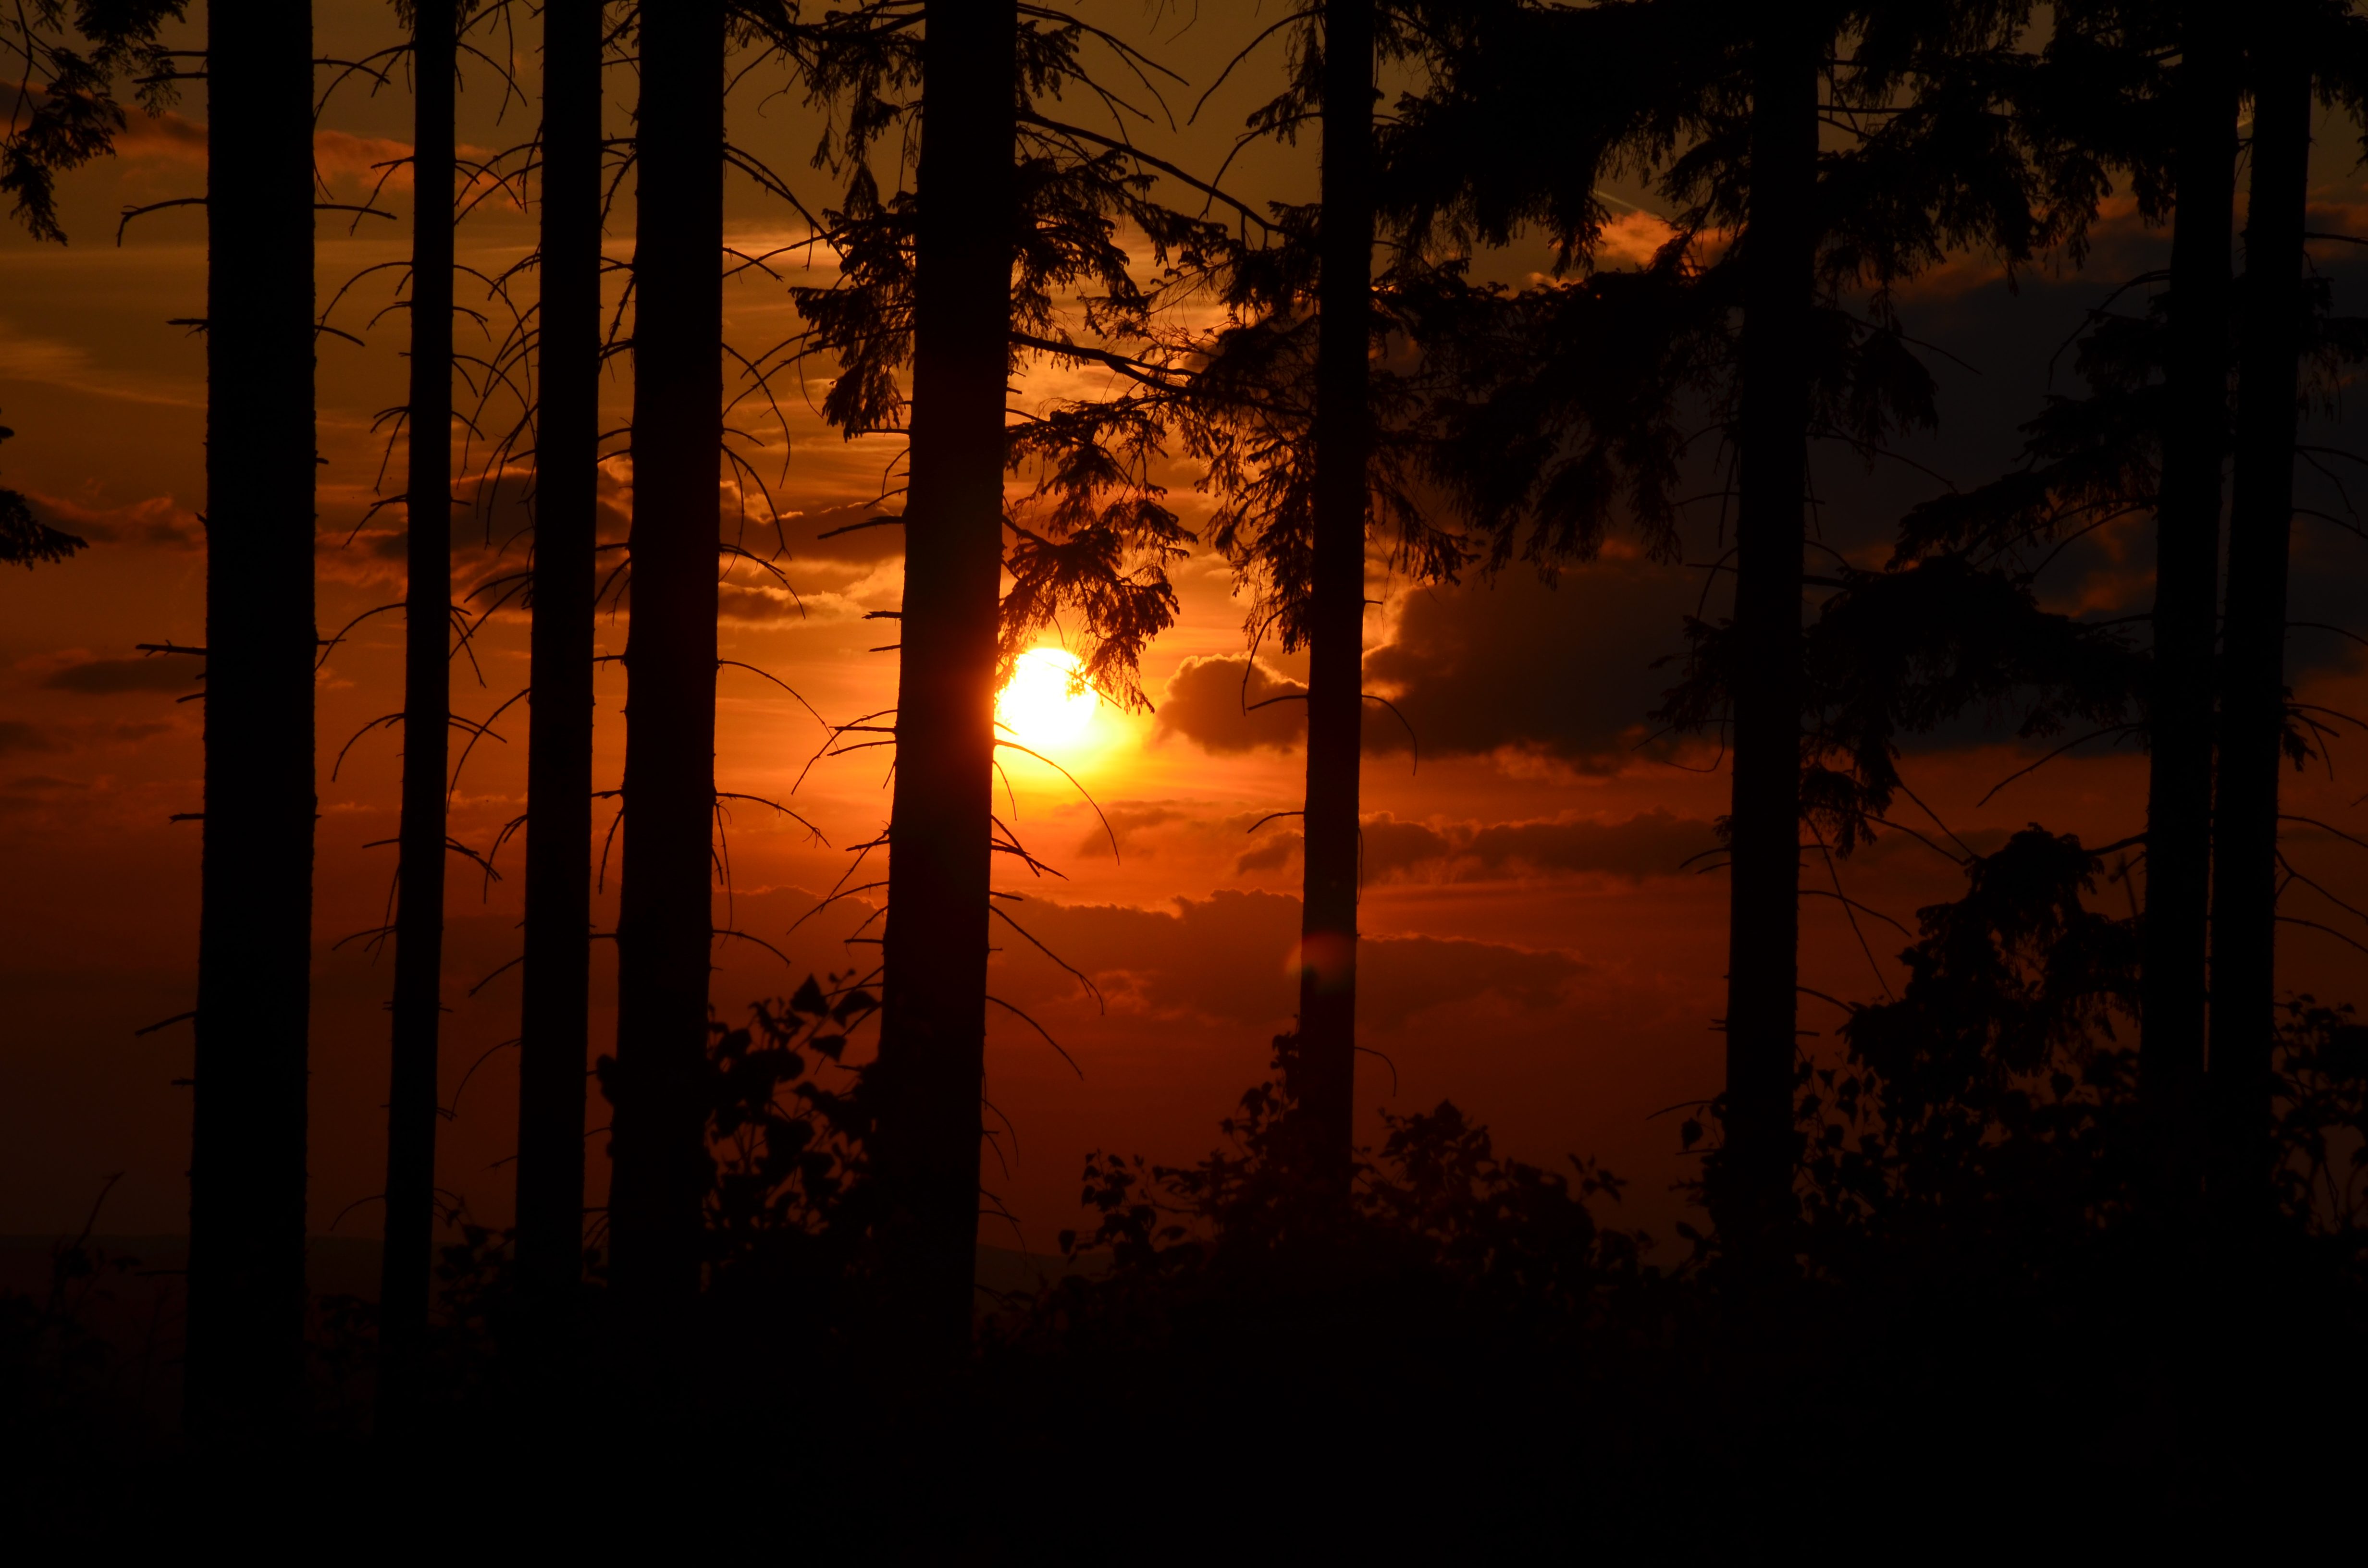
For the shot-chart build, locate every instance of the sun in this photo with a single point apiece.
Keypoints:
(1038, 707)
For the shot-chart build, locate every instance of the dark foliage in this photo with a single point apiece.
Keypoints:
(66, 113)
(1897, 653)
(1094, 539)
(25, 540)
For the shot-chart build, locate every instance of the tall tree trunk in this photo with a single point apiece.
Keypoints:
(553, 1023)
(1324, 1076)
(2187, 566)
(665, 924)
(247, 1165)
(404, 1262)
(2244, 908)
(933, 1020)
(1772, 439)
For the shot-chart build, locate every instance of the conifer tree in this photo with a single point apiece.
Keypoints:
(412, 1103)
(1325, 1065)
(71, 118)
(933, 1020)
(1925, 154)
(25, 540)
(975, 271)
(247, 1159)
(665, 923)
(557, 980)
(1311, 449)
(67, 113)
(2187, 570)
(2252, 739)
(1772, 435)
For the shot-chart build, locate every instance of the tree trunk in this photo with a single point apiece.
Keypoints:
(1779, 245)
(2244, 910)
(665, 924)
(406, 1259)
(1323, 1073)
(933, 1022)
(2187, 533)
(247, 1165)
(553, 1024)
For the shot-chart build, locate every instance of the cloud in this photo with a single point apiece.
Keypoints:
(33, 790)
(166, 138)
(1224, 959)
(1633, 238)
(17, 739)
(48, 361)
(1125, 820)
(159, 522)
(1649, 843)
(1214, 702)
(853, 534)
(1272, 856)
(1564, 670)
(116, 677)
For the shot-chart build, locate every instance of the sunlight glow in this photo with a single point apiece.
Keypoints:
(1039, 708)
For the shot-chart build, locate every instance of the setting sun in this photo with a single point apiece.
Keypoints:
(1041, 707)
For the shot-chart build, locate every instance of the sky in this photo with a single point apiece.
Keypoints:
(1540, 943)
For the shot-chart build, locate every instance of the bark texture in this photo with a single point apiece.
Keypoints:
(405, 1260)
(1772, 433)
(2252, 718)
(665, 924)
(2186, 568)
(246, 1167)
(933, 1020)
(1325, 1070)
(554, 1022)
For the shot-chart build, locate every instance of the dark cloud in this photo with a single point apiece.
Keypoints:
(17, 738)
(1388, 846)
(115, 678)
(1226, 959)
(1213, 703)
(1276, 852)
(33, 790)
(1650, 844)
(157, 522)
(1565, 670)
(1125, 820)
(853, 536)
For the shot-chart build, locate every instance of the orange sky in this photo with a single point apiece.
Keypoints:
(1536, 950)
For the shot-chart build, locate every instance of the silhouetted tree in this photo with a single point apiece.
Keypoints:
(412, 1099)
(1311, 447)
(2187, 570)
(2109, 454)
(665, 923)
(25, 540)
(1092, 540)
(65, 112)
(2253, 744)
(1771, 427)
(1326, 1058)
(555, 1007)
(933, 976)
(1924, 156)
(246, 1170)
